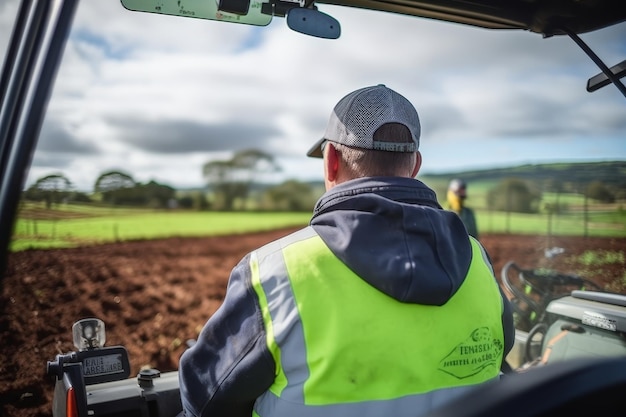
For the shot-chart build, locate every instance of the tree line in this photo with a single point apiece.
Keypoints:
(602, 181)
(522, 196)
(229, 183)
(237, 184)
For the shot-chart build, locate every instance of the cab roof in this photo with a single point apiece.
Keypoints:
(545, 17)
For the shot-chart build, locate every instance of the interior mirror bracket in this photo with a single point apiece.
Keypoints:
(607, 73)
(279, 8)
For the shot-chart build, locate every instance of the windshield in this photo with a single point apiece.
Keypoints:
(173, 146)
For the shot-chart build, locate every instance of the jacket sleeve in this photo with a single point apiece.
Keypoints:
(229, 366)
(508, 326)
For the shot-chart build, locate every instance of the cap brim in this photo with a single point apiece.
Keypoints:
(316, 150)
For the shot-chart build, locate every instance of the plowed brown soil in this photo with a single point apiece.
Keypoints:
(155, 295)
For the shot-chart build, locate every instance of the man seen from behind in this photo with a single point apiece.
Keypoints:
(381, 306)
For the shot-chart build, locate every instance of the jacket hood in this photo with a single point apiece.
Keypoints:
(393, 234)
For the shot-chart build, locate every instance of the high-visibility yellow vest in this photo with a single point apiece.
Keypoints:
(343, 348)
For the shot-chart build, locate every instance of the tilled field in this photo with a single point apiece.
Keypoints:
(155, 295)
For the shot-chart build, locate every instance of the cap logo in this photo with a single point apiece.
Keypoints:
(394, 147)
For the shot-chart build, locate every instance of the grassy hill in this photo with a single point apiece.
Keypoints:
(573, 176)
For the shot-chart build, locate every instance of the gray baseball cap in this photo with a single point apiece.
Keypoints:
(356, 117)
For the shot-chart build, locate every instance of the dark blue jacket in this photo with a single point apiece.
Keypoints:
(390, 231)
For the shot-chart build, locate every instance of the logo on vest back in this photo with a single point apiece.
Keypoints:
(474, 354)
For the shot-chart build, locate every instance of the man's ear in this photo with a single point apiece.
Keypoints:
(418, 164)
(331, 163)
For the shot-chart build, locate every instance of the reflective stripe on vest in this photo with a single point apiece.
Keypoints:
(320, 318)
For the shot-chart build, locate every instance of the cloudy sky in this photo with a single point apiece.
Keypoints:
(158, 96)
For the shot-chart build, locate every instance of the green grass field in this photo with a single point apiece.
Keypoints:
(101, 226)
(70, 225)
(575, 224)
(576, 217)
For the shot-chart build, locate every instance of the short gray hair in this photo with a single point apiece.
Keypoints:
(370, 163)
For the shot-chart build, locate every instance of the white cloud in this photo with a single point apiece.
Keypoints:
(161, 95)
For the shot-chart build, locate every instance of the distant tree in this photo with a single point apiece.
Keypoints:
(232, 179)
(185, 202)
(157, 195)
(291, 195)
(195, 200)
(111, 186)
(219, 177)
(513, 195)
(554, 185)
(597, 190)
(200, 201)
(52, 189)
(80, 197)
(113, 180)
(151, 194)
(557, 187)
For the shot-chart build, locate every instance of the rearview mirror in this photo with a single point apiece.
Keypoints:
(234, 11)
(313, 22)
(598, 81)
